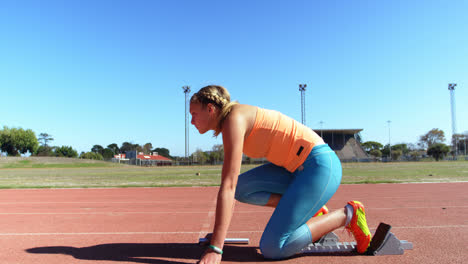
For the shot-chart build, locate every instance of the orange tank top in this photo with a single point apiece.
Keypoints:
(281, 139)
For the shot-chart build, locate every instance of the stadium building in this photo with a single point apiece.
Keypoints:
(345, 142)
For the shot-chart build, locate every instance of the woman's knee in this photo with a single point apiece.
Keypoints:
(278, 245)
(251, 191)
(240, 194)
(249, 197)
(242, 189)
(271, 249)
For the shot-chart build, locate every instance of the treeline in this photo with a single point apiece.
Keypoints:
(430, 144)
(17, 141)
(215, 156)
(99, 152)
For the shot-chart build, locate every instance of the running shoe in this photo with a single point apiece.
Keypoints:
(322, 211)
(358, 227)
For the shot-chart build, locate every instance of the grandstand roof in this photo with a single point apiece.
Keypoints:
(343, 131)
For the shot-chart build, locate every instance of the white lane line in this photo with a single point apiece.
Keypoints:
(211, 212)
(99, 213)
(196, 232)
(430, 227)
(416, 207)
(118, 233)
(96, 202)
(96, 233)
(206, 224)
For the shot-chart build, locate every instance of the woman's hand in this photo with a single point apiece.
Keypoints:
(210, 257)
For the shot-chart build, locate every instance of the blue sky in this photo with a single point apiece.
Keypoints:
(102, 72)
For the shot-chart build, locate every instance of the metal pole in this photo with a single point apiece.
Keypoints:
(389, 142)
(186, 92)
(451, 88)
(302, 89)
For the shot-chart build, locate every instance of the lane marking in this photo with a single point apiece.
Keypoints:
(100, 213)
(196, 232)
(211, 212)
(96, 202)
(207, 222)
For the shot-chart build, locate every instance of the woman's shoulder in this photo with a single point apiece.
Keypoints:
(242, 114)
(243, 111)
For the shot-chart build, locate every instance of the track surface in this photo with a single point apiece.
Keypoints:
(162, 225)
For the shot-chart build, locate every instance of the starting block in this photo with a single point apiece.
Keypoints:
(383, 242)
(206, 240)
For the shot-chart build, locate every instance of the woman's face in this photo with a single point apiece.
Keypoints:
(203, 118)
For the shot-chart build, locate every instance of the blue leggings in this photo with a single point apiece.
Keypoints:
(303, 194)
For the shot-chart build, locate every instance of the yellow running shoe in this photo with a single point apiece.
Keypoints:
(322, 211)
(358, 227)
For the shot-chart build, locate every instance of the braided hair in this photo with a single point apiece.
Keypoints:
(219, 97)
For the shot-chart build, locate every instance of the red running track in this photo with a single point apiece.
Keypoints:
(162, 225)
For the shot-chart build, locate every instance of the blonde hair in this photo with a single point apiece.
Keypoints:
(217, 96)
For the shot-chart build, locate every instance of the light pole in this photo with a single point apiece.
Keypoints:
(389, 142)
(451, 88)
(302, 89)
(186, 92)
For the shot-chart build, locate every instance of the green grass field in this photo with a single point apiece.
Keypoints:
(75, 173)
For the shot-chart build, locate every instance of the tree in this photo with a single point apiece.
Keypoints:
(44, 151)
(107, 153)
(114, 147)
(163, 152)
(375, 153)
(15, 141)
(138, 148)
(127, 146)
(434, 136)
(217, 153)
(147, 148)
(66, 151)
(413, 147)
(402, 147)
(97, 149)
(371, 145)
(91, 155)
(438, 150)
(386, 150)
(200, 156)
(396, 154)
(414, 155)
(44, 137)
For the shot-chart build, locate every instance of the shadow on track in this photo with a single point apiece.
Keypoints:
(150, 253)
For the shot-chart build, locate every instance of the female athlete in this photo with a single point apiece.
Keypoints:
(303, 174)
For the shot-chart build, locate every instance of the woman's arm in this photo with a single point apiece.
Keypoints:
(233, 141)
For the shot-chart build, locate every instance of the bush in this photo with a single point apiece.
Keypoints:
(91, 155)
(66, 151)
(414, 155)
(438, 151)
(44, 151)
(396, 154)
(375, 153)
(107, 153)
(16, 141)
